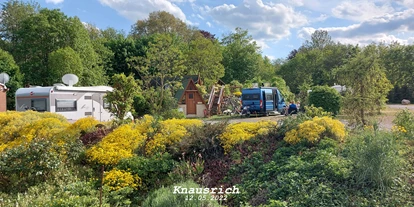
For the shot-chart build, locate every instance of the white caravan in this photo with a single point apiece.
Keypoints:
(72, 102)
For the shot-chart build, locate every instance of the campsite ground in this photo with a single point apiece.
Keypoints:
(385, 119)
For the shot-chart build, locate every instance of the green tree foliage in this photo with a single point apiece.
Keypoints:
(315, 61)
(125, 49)
(283, 88)
(366, 82)
(99, 39)
(47, 31)
(297, 71)
(204, 59)
(319, 40)
(326, 97)
(266, 70)
(122, 97)
(241, 56)
(161, 69)
(63, 61)
(160, 22)
(13, 13)
(7, 65)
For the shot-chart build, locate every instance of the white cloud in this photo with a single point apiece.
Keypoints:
(321, 18)
(136, 10)
(269, 22)
(361, 10)
(199, 16)
(181, 1)
(406, 3)
(209, 24)
(54, 1)
(262, 44)
(380, 29)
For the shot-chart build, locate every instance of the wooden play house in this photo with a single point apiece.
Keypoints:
(190, 100)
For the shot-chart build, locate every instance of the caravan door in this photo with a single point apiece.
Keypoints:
(97, 106)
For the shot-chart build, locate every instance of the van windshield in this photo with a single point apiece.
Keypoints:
(251, 96)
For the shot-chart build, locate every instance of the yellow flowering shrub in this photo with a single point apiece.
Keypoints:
(315, 129)
(170, 131)
(117, 145)
(117, 179)
(146, 125)
(21, 127)
(86, 124)
(238, 132)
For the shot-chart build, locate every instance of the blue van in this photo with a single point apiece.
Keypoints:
(264, 100)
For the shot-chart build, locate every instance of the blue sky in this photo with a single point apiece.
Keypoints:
(278, 26)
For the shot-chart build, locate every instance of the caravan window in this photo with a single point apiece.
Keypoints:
(251, 96)
(65, 105)
(106, 104)
(39, 104)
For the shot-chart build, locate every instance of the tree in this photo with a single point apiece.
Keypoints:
(160, 69)
(326, 97)
(7, 65)
(240, 56)
(125, 49)
(297, 71)
(63, 61)
(122, 97)
(13, 13)
(204, 59)
(319, 40)
(99, 39)
(46, 32)
(266, 70)
(160, 22)
(208, 35)
(283, 88)
(366, 82)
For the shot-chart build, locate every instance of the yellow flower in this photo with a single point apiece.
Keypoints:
(315, 129)
(238, 132)
(117, 145)
(117, 179)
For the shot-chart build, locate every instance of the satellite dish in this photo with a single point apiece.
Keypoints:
(70, 79)
(4, 78)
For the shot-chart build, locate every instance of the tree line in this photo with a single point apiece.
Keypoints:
(39, 45)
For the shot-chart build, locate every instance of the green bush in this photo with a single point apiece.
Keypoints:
(153, 170)
(172, 113)
(141, 106)
(326, 97)
(405, 119)
(202, 140)
(28, 165)
(296, 176)
(376, 159)
(165, 197)
(312, 111)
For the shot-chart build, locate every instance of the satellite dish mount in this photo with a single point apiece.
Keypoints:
(70, 79)
(4, 78)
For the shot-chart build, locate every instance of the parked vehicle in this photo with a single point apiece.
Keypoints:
(264, 100)
(72, 102)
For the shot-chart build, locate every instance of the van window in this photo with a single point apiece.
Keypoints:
(39, 104)
(269, 97)
(65, 105)
(251, 96)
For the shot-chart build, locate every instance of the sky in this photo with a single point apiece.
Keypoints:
(278, 26)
